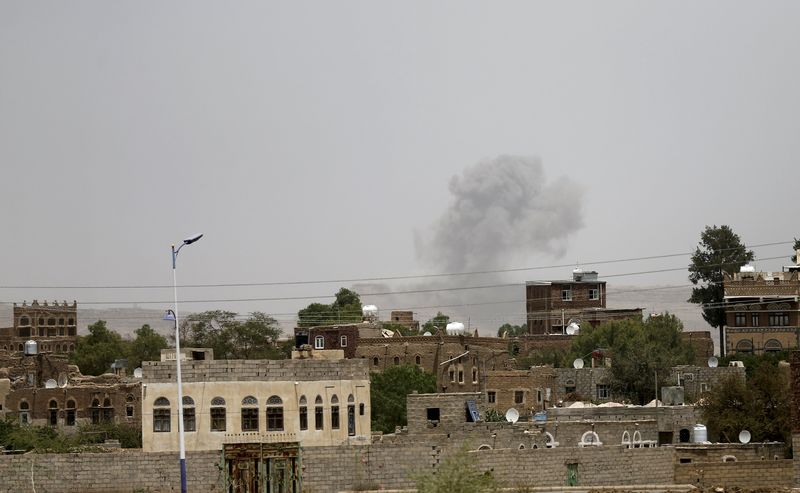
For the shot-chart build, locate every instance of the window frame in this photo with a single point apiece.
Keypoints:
(319, 342)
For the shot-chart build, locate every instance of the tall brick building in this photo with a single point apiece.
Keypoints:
(553, 305)
(53, 326)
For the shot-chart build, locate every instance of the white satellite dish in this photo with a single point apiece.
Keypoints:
(573, 329)
(744, 436)
(137, 373)
(50, 384)
(512, 415)
(713, 362)
(578, 363)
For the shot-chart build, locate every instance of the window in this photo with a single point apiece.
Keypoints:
(539, 396)
(249, 413)
(594, 294)
(396, 360)
(51, 321)
(218, 418)
(351, 416)
(161, 415)
(95, 411)
(519, 396)
(319, 342)
(433, 414)
(24, 321)
(52, 413)
(566, 294)
(491, 397)
(24, 416)
(334, 412)
(740, 319)
(189, 420)
(319, 423)
(744, 346)
(108, 411)
(303, 413)
(129, 406)
(452, 372)
(773, 346)
(70, 419)
(703, 387)
(754, 318)
(474, 375)
(274, 413)
(778, 319)
(60, 321)
(417, 360)
(569, 387)
(41, 321)
(361, 409)
(375, 361)
(343, 341)
(603, 392)
(460, 375)
(71, 321)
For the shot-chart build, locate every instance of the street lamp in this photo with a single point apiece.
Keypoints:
(173, 315)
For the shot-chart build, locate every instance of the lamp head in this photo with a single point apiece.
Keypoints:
(169, 315)
(192, 239)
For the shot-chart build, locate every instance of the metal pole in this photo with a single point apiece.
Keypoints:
(181, 442)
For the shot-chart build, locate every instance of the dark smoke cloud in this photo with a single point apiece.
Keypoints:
(502, 210)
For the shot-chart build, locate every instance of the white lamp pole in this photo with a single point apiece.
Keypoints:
(181, 441)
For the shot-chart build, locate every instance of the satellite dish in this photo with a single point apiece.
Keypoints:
(744, 436)
(578, 363)
(62, 380)
(50, 384)
(573, 329)
(137, 373)
(713, 362)
(427, 334)
(512, 415)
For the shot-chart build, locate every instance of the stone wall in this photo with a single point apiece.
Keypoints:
(762, 474)
(699, 379)
(255, 370)
(117, 472)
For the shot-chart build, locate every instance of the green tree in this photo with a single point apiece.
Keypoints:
(436, 324)
(457, 473)
(794, 250)
(404, 330)
(760, 405)
(720, 251)
(146, 346)
(638, 350)
(388, 391)
(94, 353)
(346, 308)
(512, 330)
(253, 338)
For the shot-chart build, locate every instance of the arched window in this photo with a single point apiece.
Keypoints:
(24, 412)
(218, 418)
(351, 415)
(744, 346)
(485, 447)
(108, 410)
(95, 411)
(24, 321)
(303, 413)
(375, 360)
(70, 419)
(550, 441)
(161, 415)
(52, 413)
(474, 375)
(334, 412)
(51, 321)
(274, 413)
(189, 416)
(417, 360)
(129, 406)
(626, 439)
(249, 413)
(684, 435)
(569, 386)
(396, 360)
(319, 342)
(319, 417)
(773, 346)
(60, 321)
(590, 439)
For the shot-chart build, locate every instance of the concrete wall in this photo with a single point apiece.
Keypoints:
(763, 475)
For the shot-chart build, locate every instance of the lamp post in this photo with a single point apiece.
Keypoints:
(174, 316)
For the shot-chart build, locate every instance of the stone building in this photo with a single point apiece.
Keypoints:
(44, 389)
(52, 325)
(527, 391)
(762, 310)
(406, 318)
(307, 400)
(584, 384)
(345, 337)
(553, 305)
(697, 380)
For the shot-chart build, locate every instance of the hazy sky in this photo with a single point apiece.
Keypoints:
(320, 140)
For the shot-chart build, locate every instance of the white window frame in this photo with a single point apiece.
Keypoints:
(319, 342)
(594, 294)
(343, 341)
(566, 294)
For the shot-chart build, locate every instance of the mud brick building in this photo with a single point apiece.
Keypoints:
(553, 305)
(527, 391)
(762, 310)
(53, 326)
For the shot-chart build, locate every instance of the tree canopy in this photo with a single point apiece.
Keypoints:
(345, 309)
(95, 352)
(146, 346)
(638, 349)
(794, 250)
(720, 251)
(388, 391)
(230, 338)
(436, 324)
(761, 405)
(511, 330)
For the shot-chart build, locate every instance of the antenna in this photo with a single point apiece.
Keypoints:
(512, 415)
(713, 362)
(578, 363)
(744, 436)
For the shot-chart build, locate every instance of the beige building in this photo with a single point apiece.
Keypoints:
(313, 401)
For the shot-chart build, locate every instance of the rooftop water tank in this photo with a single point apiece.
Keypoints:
(700, 433)
(369, 311)
(455, 329)
(31, 348)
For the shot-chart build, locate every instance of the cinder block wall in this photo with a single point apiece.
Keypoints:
(760, 474)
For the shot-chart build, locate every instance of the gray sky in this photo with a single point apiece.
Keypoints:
(318, 140)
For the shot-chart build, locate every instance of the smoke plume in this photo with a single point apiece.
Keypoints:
(502, 210)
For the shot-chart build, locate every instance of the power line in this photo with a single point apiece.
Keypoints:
(382, 278)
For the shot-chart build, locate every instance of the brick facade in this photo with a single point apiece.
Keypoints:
(52, 325)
